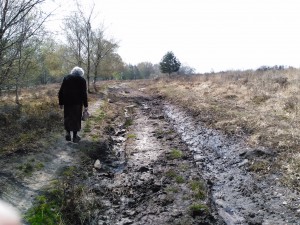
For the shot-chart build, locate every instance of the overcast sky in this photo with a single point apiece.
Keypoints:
(204, 34)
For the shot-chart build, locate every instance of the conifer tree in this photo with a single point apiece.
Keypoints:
(169, 63)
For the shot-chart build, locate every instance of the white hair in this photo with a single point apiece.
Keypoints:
(8, 214)
(77, 71)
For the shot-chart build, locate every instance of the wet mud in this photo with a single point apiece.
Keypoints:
(147, 190)
(241, 196)
(237, 194)
(134, 177)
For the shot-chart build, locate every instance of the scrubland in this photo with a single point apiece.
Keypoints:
(24, 126)
(257, 107)
(31, 124)
(261, 107)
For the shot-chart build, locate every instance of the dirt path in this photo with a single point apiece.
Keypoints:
(158, 165)
(239, 195)
(24, 176)
(154, 187)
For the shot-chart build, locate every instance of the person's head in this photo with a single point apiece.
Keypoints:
(9, 215)
(77, 71)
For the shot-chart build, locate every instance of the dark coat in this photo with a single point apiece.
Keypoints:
(73, 95)
(73, 91)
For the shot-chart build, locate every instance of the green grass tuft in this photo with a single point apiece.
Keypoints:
(171, 173)
(44, 212)
(176, 154)
(131, 136)
(128, 122)
(198, 188)
(179, 179)
(198, 209)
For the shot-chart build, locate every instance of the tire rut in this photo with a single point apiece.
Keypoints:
(240, 196)
(152, 188)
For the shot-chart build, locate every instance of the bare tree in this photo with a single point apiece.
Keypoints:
(75, 37)
(101, 49)
(79, 35)
(20, 21)
(25, 48)
(87, 44)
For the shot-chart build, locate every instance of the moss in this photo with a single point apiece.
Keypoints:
(259, 166)
(88, 127)
(172, 189)
(100, 115)
(95, 137)
(69, 171)
(259, 99)
(184, 167)
(28, 168)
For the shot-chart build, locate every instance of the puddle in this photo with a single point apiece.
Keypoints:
(240, 197)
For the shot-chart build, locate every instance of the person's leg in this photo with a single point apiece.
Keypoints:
(76, 138)
(68, 135)
(67, 121)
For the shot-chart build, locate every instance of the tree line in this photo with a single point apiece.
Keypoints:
(30, 55)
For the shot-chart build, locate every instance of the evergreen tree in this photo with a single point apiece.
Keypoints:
(169, 63)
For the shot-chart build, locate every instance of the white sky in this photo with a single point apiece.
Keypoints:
(205, 34)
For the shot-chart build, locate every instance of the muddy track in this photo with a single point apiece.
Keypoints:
(142, 192)
(241, 197)
(238, 195)
(138, 182)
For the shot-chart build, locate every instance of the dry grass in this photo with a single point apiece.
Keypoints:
(30, 125)
(23, 126)
(263, 107)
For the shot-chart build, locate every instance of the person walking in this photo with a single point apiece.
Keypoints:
(72, 97)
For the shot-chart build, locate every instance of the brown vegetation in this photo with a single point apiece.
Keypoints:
(30, 125)
(261, 106)
(23, 125)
